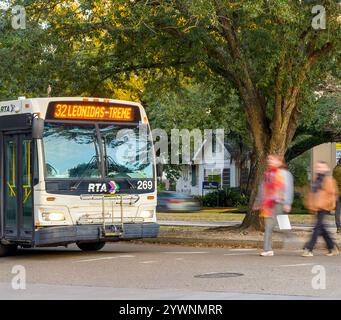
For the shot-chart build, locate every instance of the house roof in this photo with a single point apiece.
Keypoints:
(205, 142)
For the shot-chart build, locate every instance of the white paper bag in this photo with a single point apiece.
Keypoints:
(283, 222)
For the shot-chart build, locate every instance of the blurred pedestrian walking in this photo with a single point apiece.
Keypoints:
(337, 177)
(321, 200)
(275, 196)
(289, 188)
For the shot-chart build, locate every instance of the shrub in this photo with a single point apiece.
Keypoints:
(161, 186)
(214, 199)
(299, 169)
(298, 202)
(237, 197)
(225, 198)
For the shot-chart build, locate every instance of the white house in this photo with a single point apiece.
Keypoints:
(217, 165)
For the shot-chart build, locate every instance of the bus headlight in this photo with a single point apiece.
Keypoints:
(147, 214)
(53, 216)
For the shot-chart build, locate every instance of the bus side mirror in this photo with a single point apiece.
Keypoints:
(37, 128)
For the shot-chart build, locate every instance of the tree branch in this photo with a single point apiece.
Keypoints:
(307, 144)
(253, 101)
(112, 71)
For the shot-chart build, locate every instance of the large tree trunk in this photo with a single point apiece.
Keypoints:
(252, 219)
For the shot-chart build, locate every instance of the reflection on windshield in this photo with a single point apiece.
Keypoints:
(127, 152)
(72, 151)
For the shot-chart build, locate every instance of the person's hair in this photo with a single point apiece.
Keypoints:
(277, 156)
(339, 162)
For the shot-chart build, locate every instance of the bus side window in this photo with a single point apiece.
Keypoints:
(35, 164)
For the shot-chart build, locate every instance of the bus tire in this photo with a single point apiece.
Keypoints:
(90, 246)
(7, 249)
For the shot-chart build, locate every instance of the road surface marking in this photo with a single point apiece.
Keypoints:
(185, 252)
(243, 249)
(297, 265)
(237, 254)
(147, 262)
(179, 259)
(96, 259)
(127, 256)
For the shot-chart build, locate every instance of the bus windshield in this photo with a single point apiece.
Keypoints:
(73, 151)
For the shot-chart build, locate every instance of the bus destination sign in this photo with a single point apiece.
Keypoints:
(79, 110)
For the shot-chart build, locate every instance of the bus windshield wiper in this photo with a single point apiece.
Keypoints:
(108, 161)
(130, 183)
(93, 159)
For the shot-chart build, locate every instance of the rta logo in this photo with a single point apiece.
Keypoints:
(111, 187)
(97, 187)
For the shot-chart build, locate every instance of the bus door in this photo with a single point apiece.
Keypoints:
(18, 187)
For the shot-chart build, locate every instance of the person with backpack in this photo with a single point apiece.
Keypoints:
(320, 201)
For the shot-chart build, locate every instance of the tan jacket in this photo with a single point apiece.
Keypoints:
(325, 198)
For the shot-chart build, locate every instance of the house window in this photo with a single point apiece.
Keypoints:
(185, 174)
(213, 175)
(217, 146)
(194, 176)
(214, 142)
(227, 178)
(244, 176)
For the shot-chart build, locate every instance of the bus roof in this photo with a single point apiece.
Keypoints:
(39, 105)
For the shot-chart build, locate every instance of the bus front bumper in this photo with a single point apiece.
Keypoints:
(62, 235)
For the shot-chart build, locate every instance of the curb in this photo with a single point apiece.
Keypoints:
(166, 223)
(256, 244)
(220, 243)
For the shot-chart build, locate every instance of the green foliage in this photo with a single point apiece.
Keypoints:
(321, 122)
(214, 199)
(298, 202)
(193, 105)
(327, 115)
(299, 168)
(229, 197)
(174, 48)
(161, 186)
(173, 172)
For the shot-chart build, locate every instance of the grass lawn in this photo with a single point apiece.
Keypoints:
(200, 216)
(197, 216)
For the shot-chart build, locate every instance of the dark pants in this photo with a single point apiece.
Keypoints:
(320, 229)
(338, 214)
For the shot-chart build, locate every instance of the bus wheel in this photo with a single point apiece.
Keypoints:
(7, 249)
(90, 246)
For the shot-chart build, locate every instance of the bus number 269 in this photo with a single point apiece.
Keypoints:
(144, 185)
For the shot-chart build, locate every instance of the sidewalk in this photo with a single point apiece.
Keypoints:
(216, 233)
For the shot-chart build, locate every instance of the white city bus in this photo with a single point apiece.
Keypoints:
(75, 170)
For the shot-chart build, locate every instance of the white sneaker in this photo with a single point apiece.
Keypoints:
(307, 253)
(267, 254)
(333, 252)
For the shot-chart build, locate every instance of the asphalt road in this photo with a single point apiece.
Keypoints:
(146, 271)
